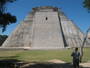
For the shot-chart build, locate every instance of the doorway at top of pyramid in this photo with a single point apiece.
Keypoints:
(46, 17)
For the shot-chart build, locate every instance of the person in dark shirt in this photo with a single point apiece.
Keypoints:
(76, 58)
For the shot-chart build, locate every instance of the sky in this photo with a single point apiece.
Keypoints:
(73, 9)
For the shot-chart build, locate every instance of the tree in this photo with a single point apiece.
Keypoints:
(86, 4)
(84, 40)
(2, 39)
(5, 18)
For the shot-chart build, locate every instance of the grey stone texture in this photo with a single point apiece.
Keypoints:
(41, 29)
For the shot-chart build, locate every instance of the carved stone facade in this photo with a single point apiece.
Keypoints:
(45, 28)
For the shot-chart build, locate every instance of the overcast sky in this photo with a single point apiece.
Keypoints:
(73, 9)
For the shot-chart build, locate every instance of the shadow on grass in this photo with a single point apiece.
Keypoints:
(51, 65)
(8, 63)
(3, 57)
(14, 63)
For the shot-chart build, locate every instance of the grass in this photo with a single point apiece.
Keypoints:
(42, 55)
(86, 56)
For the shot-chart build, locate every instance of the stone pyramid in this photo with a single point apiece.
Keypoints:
(45, 28)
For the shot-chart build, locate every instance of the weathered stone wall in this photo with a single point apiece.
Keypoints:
(73, 35)
(21, 36)
(46, 31)
(41, 30)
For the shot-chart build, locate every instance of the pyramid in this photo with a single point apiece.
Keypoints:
(45, 28)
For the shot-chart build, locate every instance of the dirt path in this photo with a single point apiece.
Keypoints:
(85, 64)
(55, 63)
(60, 61)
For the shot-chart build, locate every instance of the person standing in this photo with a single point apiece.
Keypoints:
(76, 58)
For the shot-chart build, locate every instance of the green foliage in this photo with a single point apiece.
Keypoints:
(3, 3)
(6, 18)
(2, 39)
(86, 4)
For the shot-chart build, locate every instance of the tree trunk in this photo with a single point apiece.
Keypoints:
(82, 46)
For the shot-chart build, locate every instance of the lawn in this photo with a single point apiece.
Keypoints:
(42, 55)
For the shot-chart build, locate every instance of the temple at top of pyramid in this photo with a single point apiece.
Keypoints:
(45, 28)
